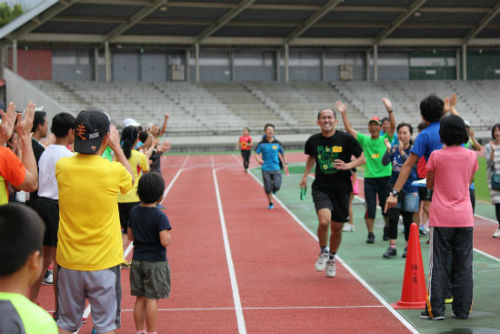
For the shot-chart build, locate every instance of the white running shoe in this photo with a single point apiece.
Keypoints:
(496, 234)
(330, 268)
(348, 228)
(48, 278)
(321, 262)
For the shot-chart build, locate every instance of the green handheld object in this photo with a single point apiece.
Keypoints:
(303, 192)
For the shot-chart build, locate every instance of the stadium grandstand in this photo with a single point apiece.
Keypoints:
(220, 65)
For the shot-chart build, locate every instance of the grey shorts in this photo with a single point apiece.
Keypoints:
(272, 180)
(150, 279)
(103, 290)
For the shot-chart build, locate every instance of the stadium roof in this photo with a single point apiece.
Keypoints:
(329, 23)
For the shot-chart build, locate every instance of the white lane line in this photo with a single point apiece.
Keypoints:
(265, 308)
(351, 271)
(130, 246)
(232, 275)
(181, 168)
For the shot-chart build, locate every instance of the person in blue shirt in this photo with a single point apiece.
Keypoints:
(432, 109)
(269, 153)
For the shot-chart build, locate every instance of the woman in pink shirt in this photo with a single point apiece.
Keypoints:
(450, 171)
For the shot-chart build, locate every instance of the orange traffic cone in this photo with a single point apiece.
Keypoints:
(413, 295)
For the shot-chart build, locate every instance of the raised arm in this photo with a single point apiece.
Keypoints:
(114, 143)
(453, 104)
(164, 126)
(23, 130)
(341, 107)
(388, 105)
(7, 125)
(475, 143)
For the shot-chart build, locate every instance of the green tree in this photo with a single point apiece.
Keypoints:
(8, 14)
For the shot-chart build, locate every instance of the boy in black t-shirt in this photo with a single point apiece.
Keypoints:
(150, 273)
(331, 151)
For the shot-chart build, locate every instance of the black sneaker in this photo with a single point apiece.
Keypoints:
(426, 315)
(454, 316)
(370, 239)
(390, 252)
(404, 252)
(385, 237)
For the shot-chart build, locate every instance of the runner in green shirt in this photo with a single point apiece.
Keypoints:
(376, 181)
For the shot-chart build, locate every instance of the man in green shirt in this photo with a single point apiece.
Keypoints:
(376, 181)
(21, 235)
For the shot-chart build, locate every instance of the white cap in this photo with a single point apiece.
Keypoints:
(129, 122)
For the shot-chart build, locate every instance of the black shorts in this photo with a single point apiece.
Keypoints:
(337, 202)
(124, 209)
(48, 209)
(424, 193)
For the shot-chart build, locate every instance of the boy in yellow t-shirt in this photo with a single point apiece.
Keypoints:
(89, 240)
(21, 235)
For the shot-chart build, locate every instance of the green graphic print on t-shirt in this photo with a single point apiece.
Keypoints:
(326, 158)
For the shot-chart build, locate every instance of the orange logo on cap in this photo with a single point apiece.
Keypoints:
(80, 131)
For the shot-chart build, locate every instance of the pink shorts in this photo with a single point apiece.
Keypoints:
(355, 189)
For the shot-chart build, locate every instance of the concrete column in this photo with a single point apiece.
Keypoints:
(457, 63)
(14, 56)
(375, 63)
(278, 65)
(323, 76)
(464, 62)
(197, 62)
(107, 62)
(187, 71)
(96, 64)
(5, 57)
(231, 62)
(367, 65)
(287, 69)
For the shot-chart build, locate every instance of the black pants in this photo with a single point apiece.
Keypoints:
(458, 242)
(497, 212)
(246, 158)
(472, 194)
(393, 215)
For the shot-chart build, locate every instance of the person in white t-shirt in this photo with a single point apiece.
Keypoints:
(47, 204)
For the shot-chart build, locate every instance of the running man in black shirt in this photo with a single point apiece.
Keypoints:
(331, 151)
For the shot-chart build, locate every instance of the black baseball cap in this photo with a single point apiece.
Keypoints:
(90, 128)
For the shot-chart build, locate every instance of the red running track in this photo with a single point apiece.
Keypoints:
(273, 258)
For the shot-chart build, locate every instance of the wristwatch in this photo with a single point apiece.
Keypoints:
(395, 193)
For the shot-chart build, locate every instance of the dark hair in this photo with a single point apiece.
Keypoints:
(400, 125)
(268, 124)
(421, 126)
(453, 131)
(129, 136)
(384, 119)
(493, 130)
(61, 123)
(21, 234)
(432, 108)
(246, 128)
(150, 187)
(334, 113)
(39, 119)
(143, 136)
